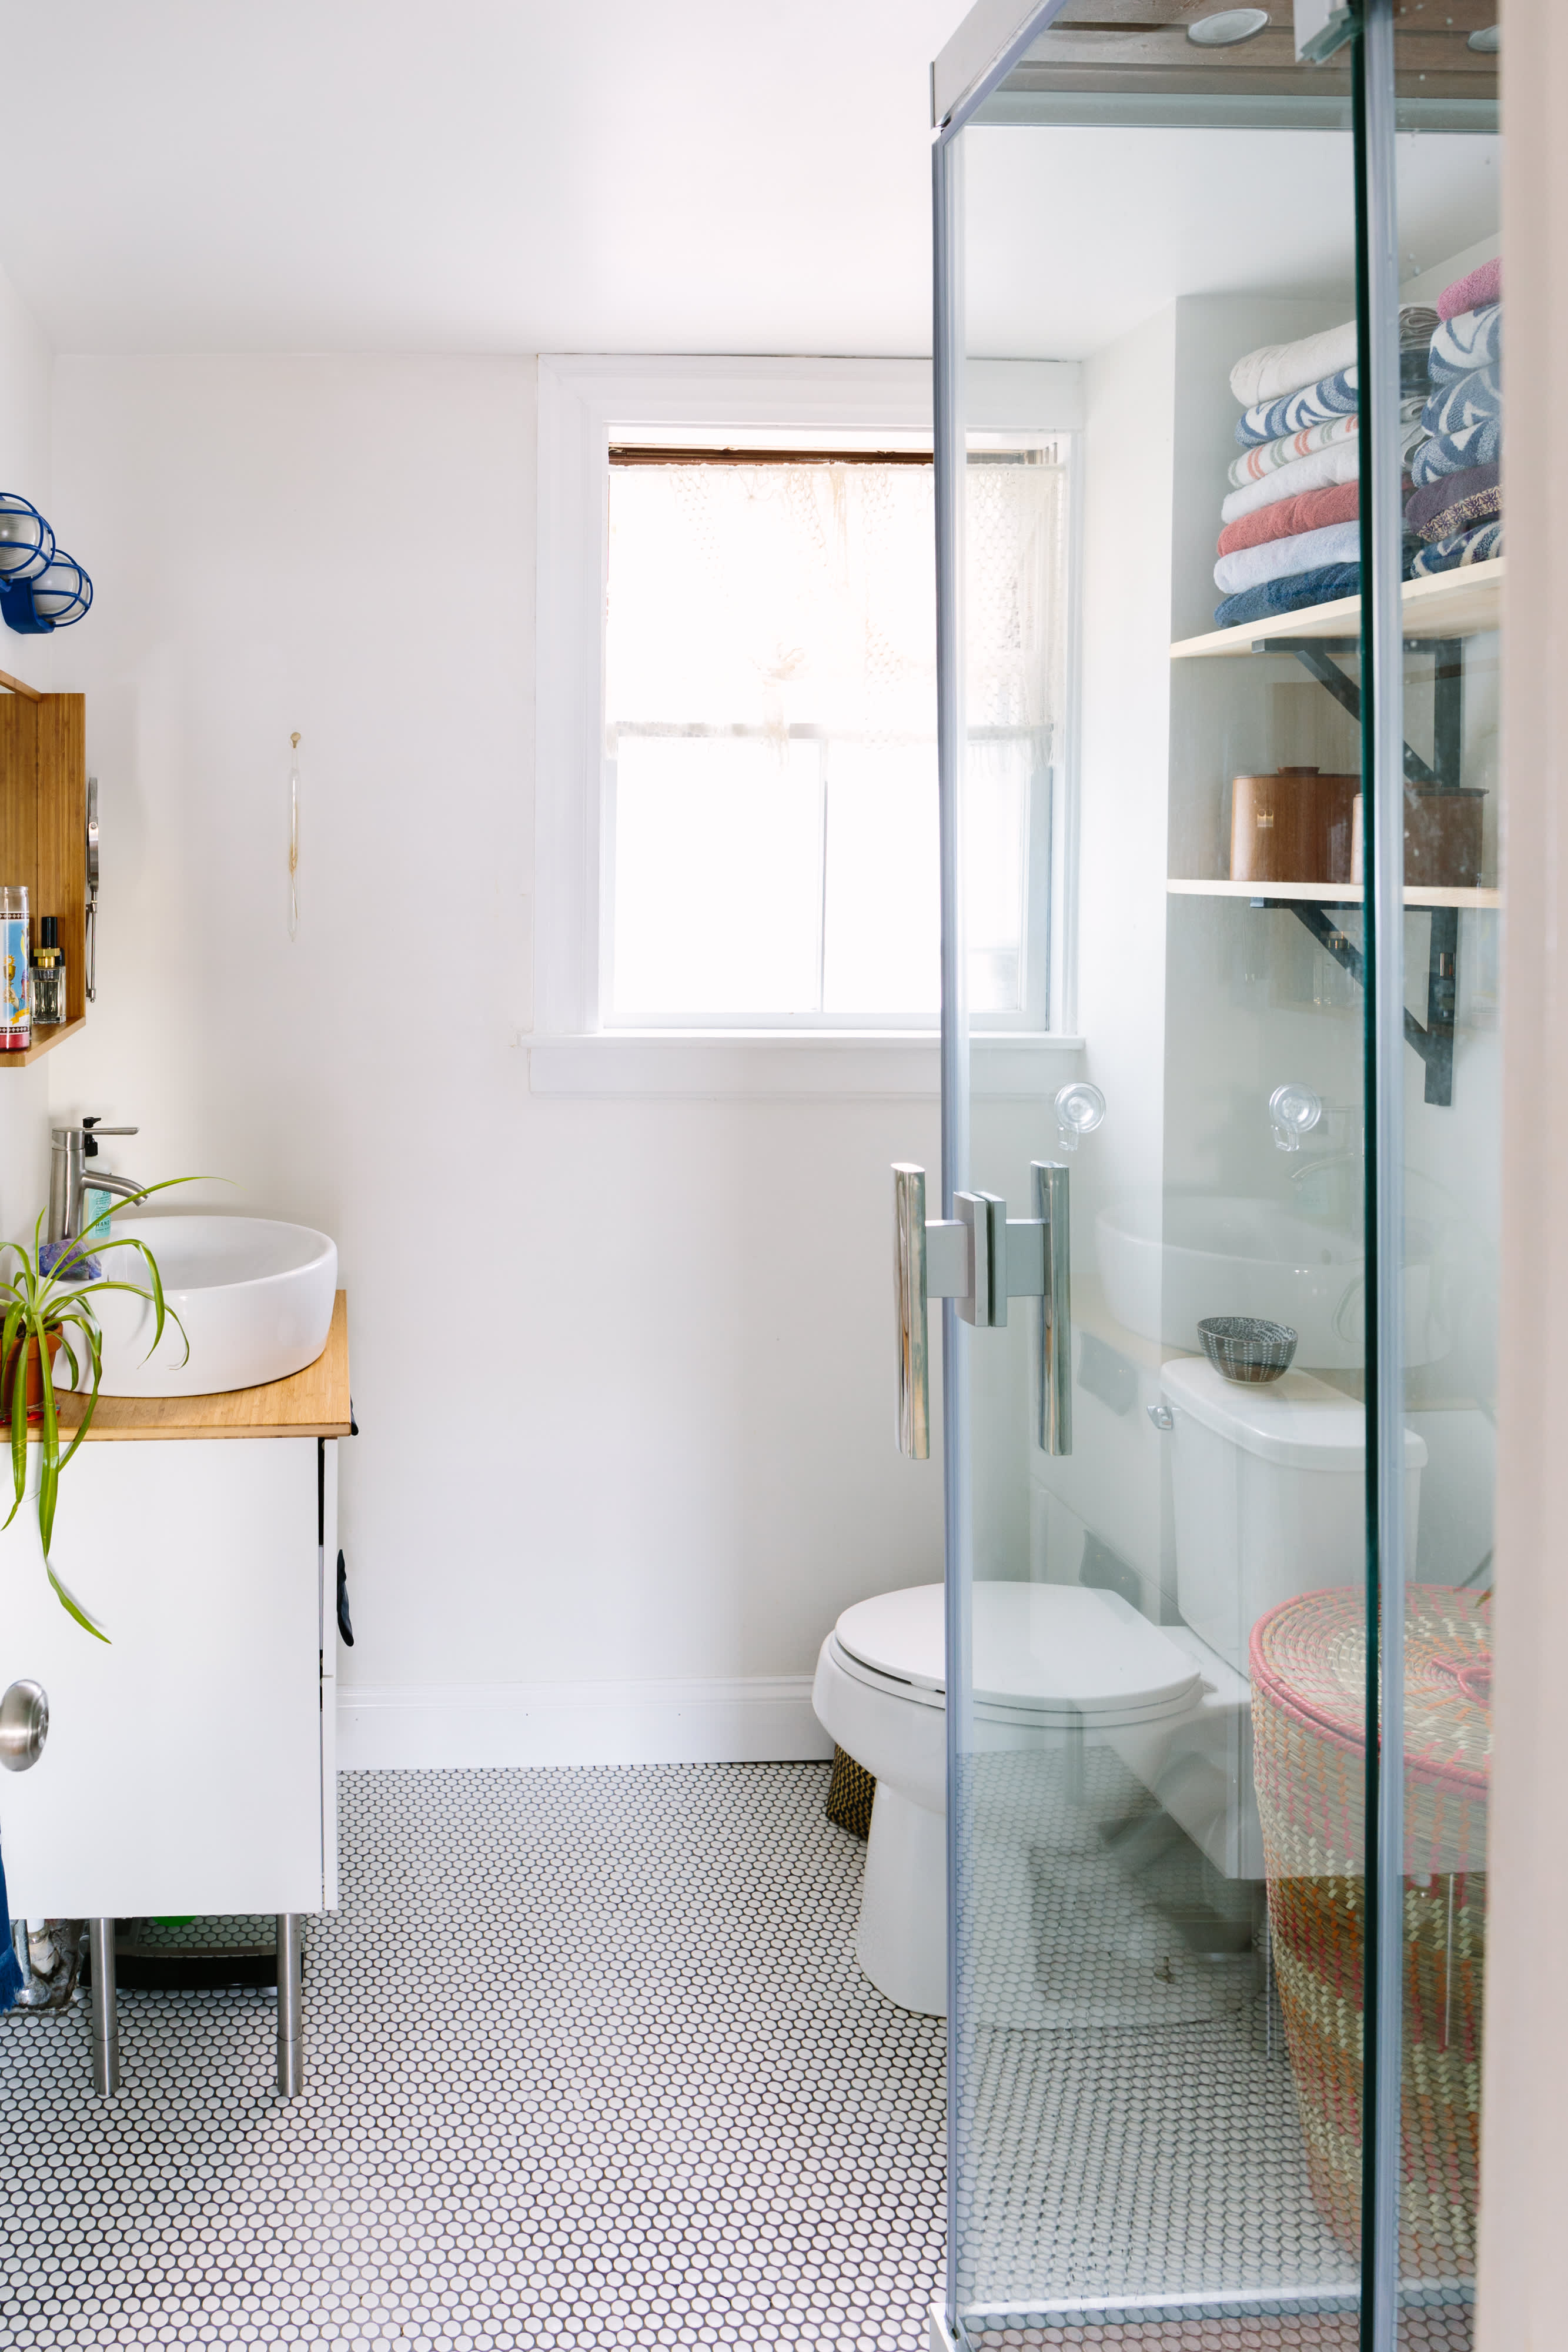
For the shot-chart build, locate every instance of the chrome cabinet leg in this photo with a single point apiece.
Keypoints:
(105, 2009)
(290, 2023)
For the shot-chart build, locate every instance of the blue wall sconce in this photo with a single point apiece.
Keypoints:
(41, 587)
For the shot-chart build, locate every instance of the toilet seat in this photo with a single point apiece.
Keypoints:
(1052, 1657)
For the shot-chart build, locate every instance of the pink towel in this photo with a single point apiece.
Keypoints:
(1472, 293)
(1341, 502)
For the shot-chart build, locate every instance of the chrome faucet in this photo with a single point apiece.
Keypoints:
(70, 1149)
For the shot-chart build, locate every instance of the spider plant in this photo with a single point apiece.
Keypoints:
(49, 1289)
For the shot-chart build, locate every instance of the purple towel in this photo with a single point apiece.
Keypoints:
(1472, 293)
(1454, 503)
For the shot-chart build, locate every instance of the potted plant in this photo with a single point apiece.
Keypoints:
(46, 1293)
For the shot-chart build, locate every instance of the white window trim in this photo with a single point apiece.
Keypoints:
(583, 402)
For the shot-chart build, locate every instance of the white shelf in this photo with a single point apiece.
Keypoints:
(1463, 603)
(1332, 894)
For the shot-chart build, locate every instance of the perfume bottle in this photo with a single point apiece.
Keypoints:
(49, 976)
(15, 1016)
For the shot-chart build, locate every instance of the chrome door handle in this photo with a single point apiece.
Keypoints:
(1053, 1427)
(24, 1726)
(909, 1273)
(981, 1259)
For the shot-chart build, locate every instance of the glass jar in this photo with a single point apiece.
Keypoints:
(15, 1010)
(48, 989)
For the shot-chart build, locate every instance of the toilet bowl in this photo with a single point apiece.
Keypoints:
(1076, 1697)
(1057, 1670)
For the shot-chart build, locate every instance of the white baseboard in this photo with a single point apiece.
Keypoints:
(755, 1719)
(942, 2337)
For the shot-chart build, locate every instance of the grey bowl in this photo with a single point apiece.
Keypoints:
(1245, 1347)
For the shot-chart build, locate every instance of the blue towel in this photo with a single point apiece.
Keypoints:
(1289, 595)
(1455, 453)
(1332, 396)
(1462, 345)
(1475, 399)
(1468, 547)
(1270, 420)
(11, 1977)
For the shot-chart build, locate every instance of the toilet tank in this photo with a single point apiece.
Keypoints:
(1269, 1489)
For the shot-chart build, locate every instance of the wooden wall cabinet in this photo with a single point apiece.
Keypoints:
(43, 833)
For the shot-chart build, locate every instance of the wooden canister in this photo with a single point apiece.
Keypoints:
(1291, 827)
(1442, 837)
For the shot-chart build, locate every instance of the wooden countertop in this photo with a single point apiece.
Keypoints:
(311, 1403)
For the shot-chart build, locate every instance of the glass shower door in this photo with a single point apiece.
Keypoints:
(1218, 1313)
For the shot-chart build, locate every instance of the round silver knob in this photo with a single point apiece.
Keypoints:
(24, 1726)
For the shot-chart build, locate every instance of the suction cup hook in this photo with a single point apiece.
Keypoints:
(1294, 1110)
(1080, 1109)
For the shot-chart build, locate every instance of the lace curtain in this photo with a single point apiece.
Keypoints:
(773, 597)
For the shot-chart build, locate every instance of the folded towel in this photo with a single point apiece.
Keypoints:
(1314, 404)
(1451, 554)
(1267, 457)
(1454, 503)
(1452, 453)
(1313, 510)
(1470, 339)
(1472, 293)
(1306, 551)
(1338, 463)
(1333, 395)
(1292, 595)
(1471, 401)
(1276, 368)
(1341, 462)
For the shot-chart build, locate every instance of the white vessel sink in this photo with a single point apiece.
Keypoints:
(1165, 1263)
(254, 1295)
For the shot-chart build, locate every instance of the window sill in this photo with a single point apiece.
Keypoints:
(893, 1064)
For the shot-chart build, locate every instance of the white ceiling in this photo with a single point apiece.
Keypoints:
(740, 175)
(515, 176)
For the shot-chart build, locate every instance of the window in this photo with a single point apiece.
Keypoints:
(736, 816)
(770, 827)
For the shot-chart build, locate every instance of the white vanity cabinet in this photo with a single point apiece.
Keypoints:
(190, 1766)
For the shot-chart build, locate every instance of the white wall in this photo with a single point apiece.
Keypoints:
(25, 364)
(623, 1368)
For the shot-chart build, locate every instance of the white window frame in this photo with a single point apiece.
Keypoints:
(584, 403)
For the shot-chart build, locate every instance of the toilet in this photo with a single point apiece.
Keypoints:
(1267, 1485)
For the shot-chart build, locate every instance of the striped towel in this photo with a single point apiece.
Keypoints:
(1471, 339)
(1292, 595)
(1340, 462)
(1454, 504)
(1453, 453)
(1475, 399)
(1467, 547)
(1267, 457)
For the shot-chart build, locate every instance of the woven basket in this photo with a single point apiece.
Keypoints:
(1309, 1668)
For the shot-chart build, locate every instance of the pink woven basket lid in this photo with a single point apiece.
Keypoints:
(1308, 1659)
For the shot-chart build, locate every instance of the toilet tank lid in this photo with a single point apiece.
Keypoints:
(1034, 1645)
(1296, 1420)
